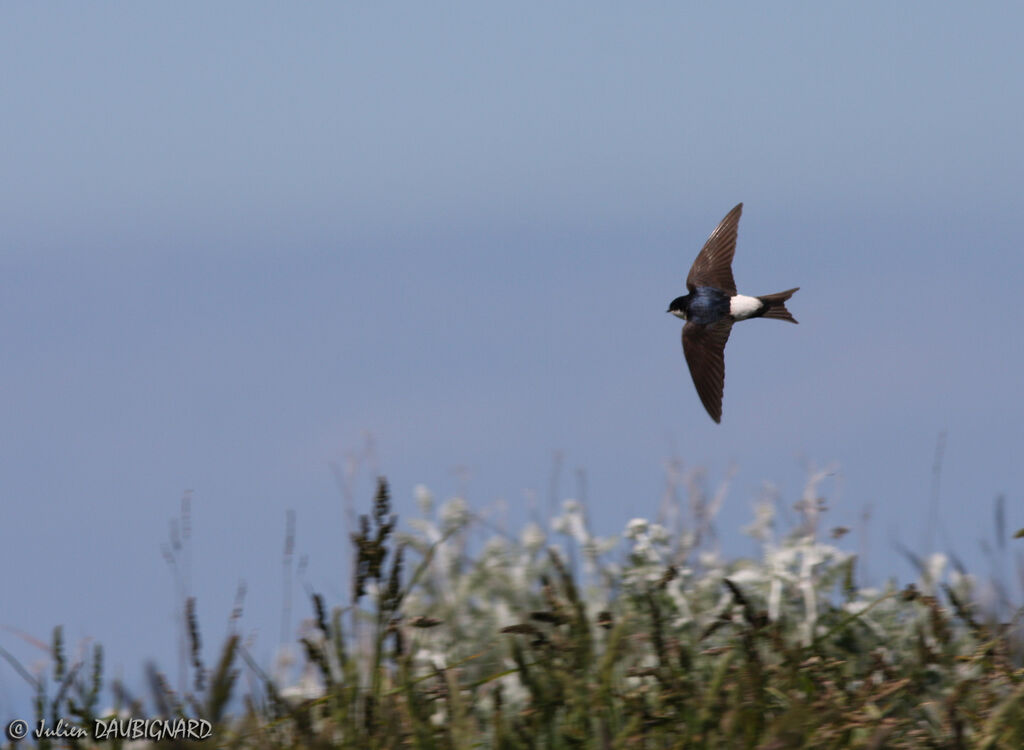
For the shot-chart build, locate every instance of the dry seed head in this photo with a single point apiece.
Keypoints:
(521, 629)
(422, 621)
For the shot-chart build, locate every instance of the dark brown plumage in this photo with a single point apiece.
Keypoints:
(704, 347)
(713, 266)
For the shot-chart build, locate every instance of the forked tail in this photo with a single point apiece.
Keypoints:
(775, 305)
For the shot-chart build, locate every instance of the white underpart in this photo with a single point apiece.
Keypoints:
(742, 306)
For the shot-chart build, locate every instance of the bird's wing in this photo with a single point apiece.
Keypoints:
(713, 266)
(704, 347)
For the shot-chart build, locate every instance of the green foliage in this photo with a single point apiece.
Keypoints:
(535, 644)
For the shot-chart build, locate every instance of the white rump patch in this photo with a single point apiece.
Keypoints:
(741, 306)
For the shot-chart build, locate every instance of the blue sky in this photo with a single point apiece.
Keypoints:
(237, 238)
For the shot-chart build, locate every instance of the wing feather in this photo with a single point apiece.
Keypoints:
(704, 348)
(713, 266)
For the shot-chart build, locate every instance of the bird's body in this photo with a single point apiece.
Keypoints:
(711, 308)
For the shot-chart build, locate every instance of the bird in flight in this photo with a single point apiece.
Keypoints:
(712, 306)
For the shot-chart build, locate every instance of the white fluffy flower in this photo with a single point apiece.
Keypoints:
(424, 499)
(532, 537)
(572, 506)
(636, 527)
(454, 513)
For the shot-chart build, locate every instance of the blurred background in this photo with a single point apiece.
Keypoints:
(244, 243)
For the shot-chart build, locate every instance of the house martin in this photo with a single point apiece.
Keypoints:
(712, 306)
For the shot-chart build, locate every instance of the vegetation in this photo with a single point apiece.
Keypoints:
(530, 644)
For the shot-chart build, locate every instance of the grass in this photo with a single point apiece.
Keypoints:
(529, 644)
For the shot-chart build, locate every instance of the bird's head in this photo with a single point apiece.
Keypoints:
(678, 307)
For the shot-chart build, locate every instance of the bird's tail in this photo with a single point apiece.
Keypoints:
(775, 305)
